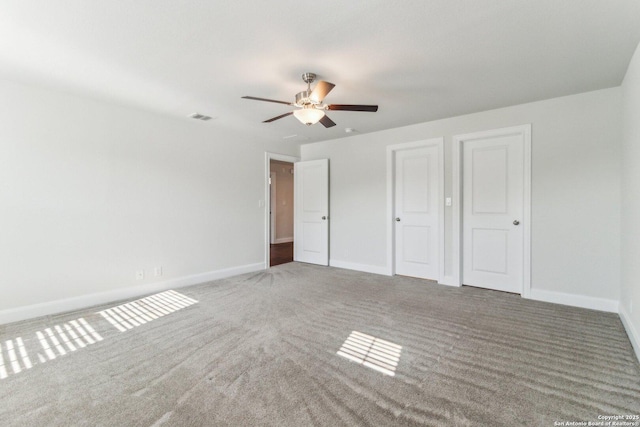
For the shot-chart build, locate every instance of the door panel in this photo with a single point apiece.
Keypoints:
(312, 237)
(490, 180)
(415, 188)
(493, 198)
(490, 248)
(416, 201)
(416, 247)
(311, 231)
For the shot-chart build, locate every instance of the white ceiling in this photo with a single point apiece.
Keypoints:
(419, 60)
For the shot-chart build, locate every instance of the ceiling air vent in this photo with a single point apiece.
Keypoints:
(199, 116)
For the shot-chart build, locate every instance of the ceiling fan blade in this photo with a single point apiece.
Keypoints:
(348, 107)
(321, 90)
(278, 117)
(268, 100)
(327, 122)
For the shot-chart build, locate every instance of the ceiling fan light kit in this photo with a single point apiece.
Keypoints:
(309, 116)
(311, 110)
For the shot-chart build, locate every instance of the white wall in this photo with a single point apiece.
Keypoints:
(90, 192)
(630, 295)
(575, 191)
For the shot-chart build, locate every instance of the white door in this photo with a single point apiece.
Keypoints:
(492, 212)
(417, 212)
(311, 201)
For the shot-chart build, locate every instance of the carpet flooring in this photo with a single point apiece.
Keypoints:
(300, 345)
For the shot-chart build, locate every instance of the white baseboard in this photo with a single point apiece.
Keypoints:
(375, 269)
(574, 300)
(632, 332)
(448, 281)
(283, 240)
(84, 301)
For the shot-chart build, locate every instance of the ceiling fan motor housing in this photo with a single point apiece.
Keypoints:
(302, 99)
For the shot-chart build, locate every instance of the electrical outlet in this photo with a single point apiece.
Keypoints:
(139, 274)
(157, 271)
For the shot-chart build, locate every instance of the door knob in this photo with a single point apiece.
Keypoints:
(516, 222)
(324, 217)
(398, 219)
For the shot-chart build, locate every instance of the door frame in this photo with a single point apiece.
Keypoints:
(391, 174)
(525, 132)
(268, 156)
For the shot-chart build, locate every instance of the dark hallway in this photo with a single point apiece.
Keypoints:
(281, 253)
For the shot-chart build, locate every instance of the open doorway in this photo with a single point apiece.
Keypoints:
(280, 212)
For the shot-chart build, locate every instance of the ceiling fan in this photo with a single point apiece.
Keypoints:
(311, 110)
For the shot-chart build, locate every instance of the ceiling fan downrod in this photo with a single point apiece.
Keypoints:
(302, 98)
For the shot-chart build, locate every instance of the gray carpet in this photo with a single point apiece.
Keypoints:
(261, 349)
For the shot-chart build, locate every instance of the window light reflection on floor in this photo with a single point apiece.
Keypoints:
(66, 338)
(15, 353)
(56, 341)
(372, 352)
(128, 316)
(69, 337)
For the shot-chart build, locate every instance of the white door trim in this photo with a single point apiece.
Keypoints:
(458, 140)
(267, 197)
(391, 151)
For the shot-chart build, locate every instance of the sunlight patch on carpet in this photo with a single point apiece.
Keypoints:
(58, 340)
(65, 338)
(372, 352)
(128, 316)
(14, 353)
